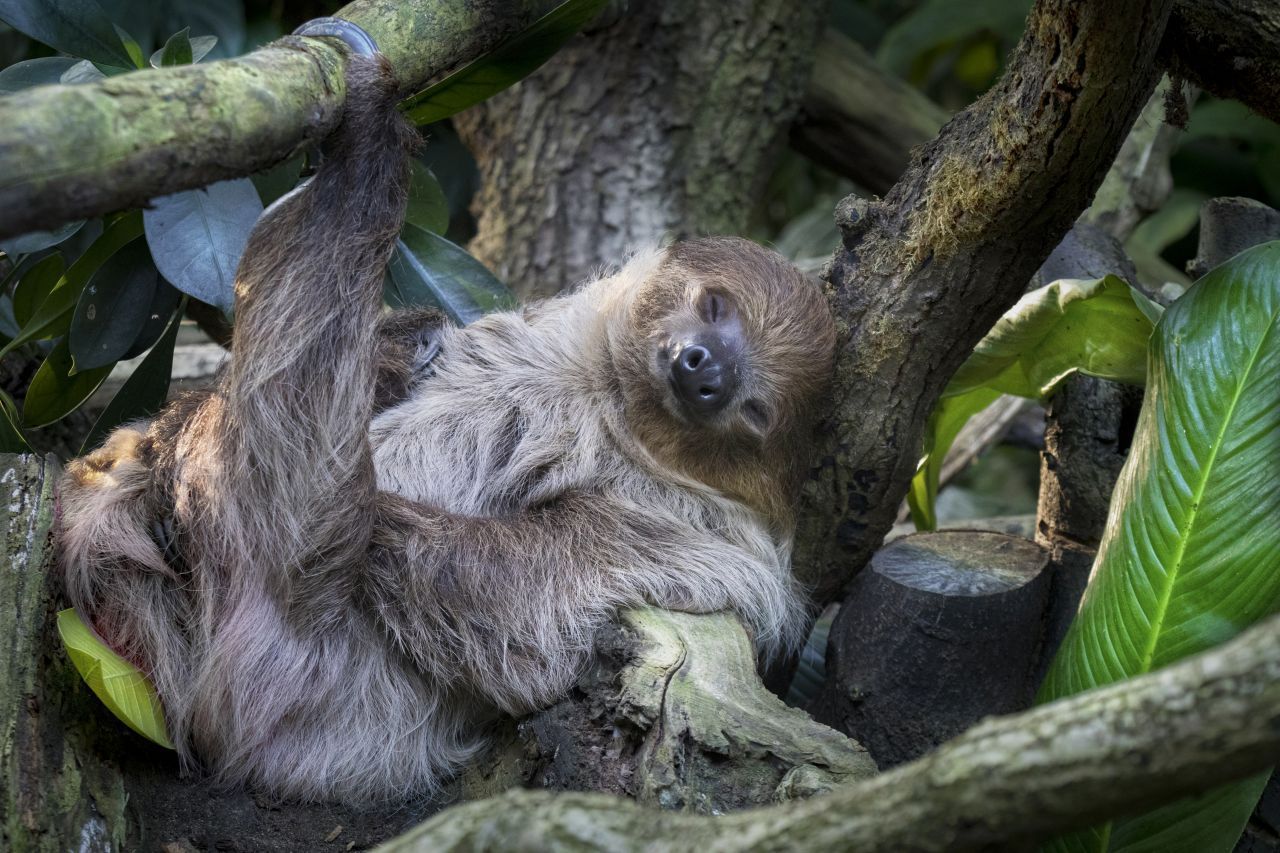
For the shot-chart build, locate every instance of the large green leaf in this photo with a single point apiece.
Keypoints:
(55, 391)
(1189, 556)
(78, 27)
(945, 423)
(144, 392)
(511, 62)
(121, 686)
(113, 308)
(426, 269)
(34, 241)
(197, 237)
(11, 438)
(1096, 327)
(53, 315)
(35, 286)
(427, 208)
(44, 71)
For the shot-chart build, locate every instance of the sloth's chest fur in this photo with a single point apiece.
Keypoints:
(504, 421)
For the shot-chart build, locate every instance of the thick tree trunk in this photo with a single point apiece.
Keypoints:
(661, 121)
(923, 274)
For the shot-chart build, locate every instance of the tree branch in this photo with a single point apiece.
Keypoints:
(69, 152)
(1228, 47)
(1016, 779)
(859, 120)
(671, 713)
(923, 274)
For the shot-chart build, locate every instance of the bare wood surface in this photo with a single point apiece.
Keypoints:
(940, 630)
(672, 714)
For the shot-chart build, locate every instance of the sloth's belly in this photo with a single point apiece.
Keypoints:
(480, 456)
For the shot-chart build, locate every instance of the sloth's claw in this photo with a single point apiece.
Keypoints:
(351, 34)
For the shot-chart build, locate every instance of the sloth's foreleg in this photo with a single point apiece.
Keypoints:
(291, 479)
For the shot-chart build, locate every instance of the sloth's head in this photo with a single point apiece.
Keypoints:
(725, 362)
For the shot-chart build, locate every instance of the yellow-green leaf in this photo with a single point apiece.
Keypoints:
(121, 686)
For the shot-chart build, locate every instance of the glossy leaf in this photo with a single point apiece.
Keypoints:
(278, 180)
(78, 27)
(45, 71)
(131, 46)
(34, 241)
(55, 391)
(163, 304)
(1096, 327)
(427, 269)
(83, 71)
(121, 686)
(34, 287)
(945, 423)
(53, 315)
(11, 438)
(1188, 558)
(8, 325)
(511, 62)
(176, 51)
(223, 19)
(113, 307)
(428, 208)
(144, 392)
(197, 237)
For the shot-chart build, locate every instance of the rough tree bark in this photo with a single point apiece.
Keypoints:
(663, 121)
(923, 274)
(1002, 785)
(1230, 48)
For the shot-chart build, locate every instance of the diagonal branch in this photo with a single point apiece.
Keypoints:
(70, 152)
(1228, 47)
(1010, 780)
(923, 274)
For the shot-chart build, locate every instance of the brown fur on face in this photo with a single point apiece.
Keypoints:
(786, 370)
(374, 534)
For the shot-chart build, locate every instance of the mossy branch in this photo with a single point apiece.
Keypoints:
(925, 272)
(1010, 780)
(70, 152)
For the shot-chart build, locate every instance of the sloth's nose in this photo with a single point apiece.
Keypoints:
(702, 378)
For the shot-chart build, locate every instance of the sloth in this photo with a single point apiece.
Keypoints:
(375, 534)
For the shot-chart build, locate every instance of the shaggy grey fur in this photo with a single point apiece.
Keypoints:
(388, 531)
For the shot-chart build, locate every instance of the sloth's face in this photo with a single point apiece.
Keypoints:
(727, 364)
(705, 361)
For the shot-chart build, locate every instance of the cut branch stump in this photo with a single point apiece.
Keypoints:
(941, 630)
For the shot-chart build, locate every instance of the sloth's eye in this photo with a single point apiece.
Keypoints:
(715, 307)
(756, 415)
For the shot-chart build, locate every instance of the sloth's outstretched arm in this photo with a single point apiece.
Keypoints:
(290, 480)
(509, 605)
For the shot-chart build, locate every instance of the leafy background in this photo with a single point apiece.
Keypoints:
(99, 296)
